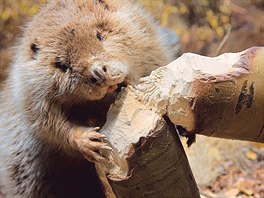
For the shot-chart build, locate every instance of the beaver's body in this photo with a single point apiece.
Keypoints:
(65, 73)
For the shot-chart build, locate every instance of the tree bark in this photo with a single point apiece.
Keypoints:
(220, 97)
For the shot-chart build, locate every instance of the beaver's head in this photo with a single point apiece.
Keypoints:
(86, 48)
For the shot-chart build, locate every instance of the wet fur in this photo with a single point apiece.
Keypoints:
(50, 91)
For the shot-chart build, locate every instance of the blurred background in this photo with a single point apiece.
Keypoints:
(222, 168)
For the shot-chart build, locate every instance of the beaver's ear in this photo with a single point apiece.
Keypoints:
(34, 47)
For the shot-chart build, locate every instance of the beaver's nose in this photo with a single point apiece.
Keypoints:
(98, 76)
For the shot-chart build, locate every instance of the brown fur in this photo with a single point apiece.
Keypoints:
(68, 63)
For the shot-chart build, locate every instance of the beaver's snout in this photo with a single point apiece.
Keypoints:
(108, 74)
(98, 76)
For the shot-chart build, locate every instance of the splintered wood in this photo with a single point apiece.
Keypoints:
(220, 97)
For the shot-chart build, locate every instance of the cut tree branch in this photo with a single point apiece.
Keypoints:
(218, 97)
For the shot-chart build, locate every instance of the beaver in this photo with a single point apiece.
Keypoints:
(68, 67)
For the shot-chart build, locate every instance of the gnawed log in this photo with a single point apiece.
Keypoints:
(221, 97)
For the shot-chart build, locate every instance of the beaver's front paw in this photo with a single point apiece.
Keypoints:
(90, 143)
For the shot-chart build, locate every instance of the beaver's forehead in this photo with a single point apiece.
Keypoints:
(78, 8)
(82, 15)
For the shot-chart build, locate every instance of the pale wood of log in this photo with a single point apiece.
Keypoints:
(218, 97)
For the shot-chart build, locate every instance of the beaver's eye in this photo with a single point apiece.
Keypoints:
(62, 66)
(34, 48)
(99, 36)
